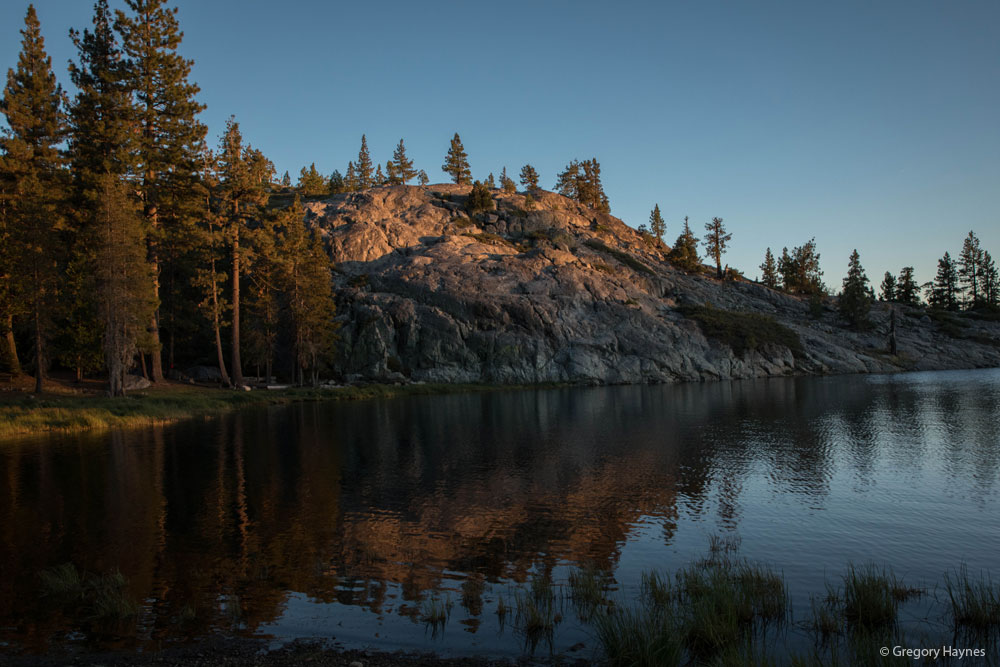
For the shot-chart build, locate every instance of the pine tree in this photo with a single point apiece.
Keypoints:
(379, 176)
(101, 116)
(403, 165)
(716, 241)
(507, 183)
(209, 276)
(568, 181)
(456, 162)
(34, 177)
(422, 178)
(582, 181)
(101, 144)
(490, 182)
(888, 289)
(363, 169)
(308, 289)
(990, 281)
(684, 254)
(800, 272)
(907, 290)
(351, 179)
(337, 183)
(286, 180)
(9, 303)
(591, 190)
(243, 175)
(657, 227)
(855, 299)
(769, 271)
(529, 178)
(969, 270)
(263, 288)
(124, 278)
(170, 138)
(944, 292)
(479, 199)
(311, 182)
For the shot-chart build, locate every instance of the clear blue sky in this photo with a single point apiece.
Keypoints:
(865, 124)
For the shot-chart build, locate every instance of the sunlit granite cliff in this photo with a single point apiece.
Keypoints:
(546, 290)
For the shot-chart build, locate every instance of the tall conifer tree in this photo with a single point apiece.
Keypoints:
(456, 162)
(769, 270)
(907, 290)
(124, 280)
(944, 291)
(403, 165)
(170, 137)
(363, 170)
(507, 183)
(101, 153)
(716, 241)
(308, 289)
(34, 183)
(657, 227)
(855, 299)
(529, 177)
(684, 254)
(243, 176)
(888, 289)
(969, 270)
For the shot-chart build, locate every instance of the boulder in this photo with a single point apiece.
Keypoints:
(136, 383)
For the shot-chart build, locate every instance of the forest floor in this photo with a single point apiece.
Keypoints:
(70, 406)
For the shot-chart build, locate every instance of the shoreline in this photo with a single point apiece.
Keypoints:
(72, 411)
(26, 415)
(255, 652)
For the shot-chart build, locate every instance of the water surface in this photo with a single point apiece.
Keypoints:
(341, 520)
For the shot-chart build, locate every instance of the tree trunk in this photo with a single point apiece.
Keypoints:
(39, 348)
(237, 368)
(12, 360)
(154, 327)
(142, 364)
(218, 331)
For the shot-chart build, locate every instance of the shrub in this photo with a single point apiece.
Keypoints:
(743, 332)
(479, 199)
(623, 257)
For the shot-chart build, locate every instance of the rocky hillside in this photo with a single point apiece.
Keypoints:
(545, 290)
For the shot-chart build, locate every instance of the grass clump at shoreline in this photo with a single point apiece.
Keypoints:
(61, 413)
(975, 603)
(95, 598)
(743, 332)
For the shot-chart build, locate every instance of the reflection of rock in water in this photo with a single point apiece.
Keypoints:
(347, 501)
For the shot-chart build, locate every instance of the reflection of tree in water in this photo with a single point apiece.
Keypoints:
(348, 502)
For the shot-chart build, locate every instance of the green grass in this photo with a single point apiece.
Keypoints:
(435, 613)
(94, 598)
(30, 415)
(975, 603)
(588, 588)
(623, 257)
(743, 332)
(488, 238)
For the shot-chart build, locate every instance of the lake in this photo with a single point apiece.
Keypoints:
(351, 522)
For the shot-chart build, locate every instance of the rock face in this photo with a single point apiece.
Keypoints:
(546, 290)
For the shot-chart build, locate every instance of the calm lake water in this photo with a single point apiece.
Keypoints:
(342, 520)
